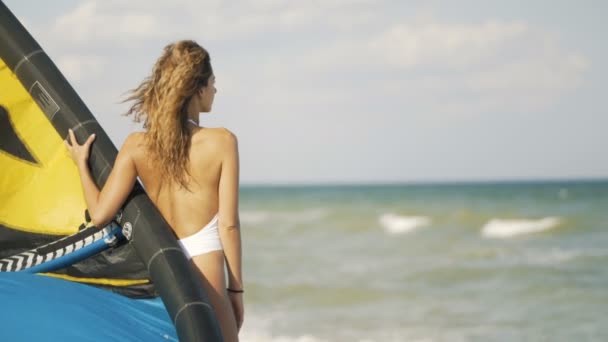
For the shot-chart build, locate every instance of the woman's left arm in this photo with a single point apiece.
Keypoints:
(103, 205)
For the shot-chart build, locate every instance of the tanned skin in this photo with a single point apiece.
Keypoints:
(213, 187)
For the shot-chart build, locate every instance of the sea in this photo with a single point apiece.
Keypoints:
(504, 261)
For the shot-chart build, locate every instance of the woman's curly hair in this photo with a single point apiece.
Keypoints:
(161, 101)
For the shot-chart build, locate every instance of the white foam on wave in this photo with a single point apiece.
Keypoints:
(265, 326)
(259, 328)
(294, 216)
(264, 337)
(499, 228)
(554, 256)
(398, 224)
(254, 216)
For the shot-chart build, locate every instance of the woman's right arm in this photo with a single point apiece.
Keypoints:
(229, 223)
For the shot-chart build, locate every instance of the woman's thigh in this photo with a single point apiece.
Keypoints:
(211, 266)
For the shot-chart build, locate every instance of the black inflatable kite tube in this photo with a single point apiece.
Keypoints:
(175, 279)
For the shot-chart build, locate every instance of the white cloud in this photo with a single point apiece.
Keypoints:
(506, 63)
(126, 22)
(93, 21)
(378, 77)
(443, 45)
(451, 69)
(79, 67)
(538, 73)
(405, 46)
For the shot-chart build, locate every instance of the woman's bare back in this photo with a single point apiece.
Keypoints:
(186, 211)
(181, 87)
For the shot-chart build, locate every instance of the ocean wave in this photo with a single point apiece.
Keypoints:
(259, 327)
(264, 337)
(557, 256)
(499, 228)
(554, 256)
(254, 217)
(398, 224)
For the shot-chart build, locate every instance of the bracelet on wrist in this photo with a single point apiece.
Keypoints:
(234, 291)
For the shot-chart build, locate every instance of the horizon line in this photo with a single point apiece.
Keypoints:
(427, 182)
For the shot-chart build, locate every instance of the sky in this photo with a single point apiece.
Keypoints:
(361, 91)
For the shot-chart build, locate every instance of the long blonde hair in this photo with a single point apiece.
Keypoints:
(161, 101)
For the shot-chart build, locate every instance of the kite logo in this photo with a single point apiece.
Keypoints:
(44, 100)
(12, 143)
(41, 192)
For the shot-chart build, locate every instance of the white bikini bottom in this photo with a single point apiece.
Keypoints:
(204, 241)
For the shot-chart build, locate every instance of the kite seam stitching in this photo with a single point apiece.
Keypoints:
(26, 58)
(160, 251)
(83, 123)
(186, 306)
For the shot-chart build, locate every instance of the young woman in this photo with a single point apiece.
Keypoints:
(191, 173)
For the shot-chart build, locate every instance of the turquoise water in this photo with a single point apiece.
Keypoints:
(460, 262)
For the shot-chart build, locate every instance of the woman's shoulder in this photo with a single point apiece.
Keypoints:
(221, 132)
(133, 142)
(134, 139)
(220, 135)
(215, 140)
